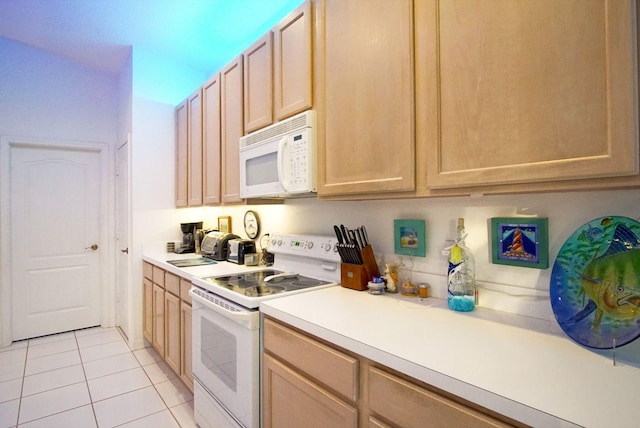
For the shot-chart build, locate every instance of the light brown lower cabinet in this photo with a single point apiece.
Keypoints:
(158, 319)
(167, 319)
(308, 382)
(172, 326)
(186, 370)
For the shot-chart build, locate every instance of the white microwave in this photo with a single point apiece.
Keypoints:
(280, 160)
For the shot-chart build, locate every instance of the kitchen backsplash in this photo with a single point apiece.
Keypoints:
(523, 291)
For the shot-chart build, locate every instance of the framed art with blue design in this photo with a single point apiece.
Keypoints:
(520, 241)
(410, 239)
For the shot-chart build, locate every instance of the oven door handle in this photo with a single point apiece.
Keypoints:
(243, 317)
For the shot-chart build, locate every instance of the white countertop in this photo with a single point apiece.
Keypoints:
(160, 257)
(510, 364)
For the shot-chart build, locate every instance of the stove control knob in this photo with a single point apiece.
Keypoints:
(310, 245)
(280, 242)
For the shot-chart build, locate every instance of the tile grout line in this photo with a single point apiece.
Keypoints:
(86, 381)
(24, 371)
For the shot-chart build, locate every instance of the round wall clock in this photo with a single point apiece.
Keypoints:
(251, 224)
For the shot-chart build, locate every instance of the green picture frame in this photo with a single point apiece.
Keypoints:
(410, 237)
(520, 241)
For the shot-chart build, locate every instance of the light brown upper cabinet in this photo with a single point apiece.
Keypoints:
(181, 154)
(258, 84)
(277, 71)
(293, 63)
(194, 149)
(232, 128)
(364, 58)
(527, 92)
(211, 146)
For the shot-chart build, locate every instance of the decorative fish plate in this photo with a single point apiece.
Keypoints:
(595, 283)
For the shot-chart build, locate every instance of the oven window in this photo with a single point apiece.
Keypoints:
(218, 353)
(262, 169)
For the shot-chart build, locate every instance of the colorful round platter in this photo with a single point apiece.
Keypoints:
(595, 283)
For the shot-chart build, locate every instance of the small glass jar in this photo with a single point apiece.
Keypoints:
(408, 289)
(423, 290)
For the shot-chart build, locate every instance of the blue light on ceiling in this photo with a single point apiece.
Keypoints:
(200, 49)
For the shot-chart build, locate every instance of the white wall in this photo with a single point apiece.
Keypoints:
(46, 96)
(43, 96)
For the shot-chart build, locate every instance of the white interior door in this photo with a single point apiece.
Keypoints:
(55, 231)
(122, 238)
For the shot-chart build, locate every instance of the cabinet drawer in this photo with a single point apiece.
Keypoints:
(172, 283)
(409, 405)
(158, 276)
(326, 365)
(185, 286)
(147, 270)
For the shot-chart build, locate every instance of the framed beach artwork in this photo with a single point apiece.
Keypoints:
(409, 237)
(520, 241)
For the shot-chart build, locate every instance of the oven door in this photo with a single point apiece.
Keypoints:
(226, 356)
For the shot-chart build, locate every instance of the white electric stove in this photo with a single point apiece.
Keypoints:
(226, 321)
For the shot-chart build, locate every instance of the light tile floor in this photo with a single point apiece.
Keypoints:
(89, 378)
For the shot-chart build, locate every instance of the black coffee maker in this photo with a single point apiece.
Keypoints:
(189, 237)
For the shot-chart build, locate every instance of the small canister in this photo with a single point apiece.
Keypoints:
(375, 287)
(251, 259)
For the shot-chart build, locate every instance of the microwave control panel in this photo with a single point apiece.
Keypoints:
(296, 163)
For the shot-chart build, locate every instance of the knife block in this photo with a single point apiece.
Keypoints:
(357, 277)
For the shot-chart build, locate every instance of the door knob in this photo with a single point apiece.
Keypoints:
(126, 250)
(93, 247)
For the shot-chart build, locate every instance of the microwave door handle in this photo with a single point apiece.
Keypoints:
(284, 142)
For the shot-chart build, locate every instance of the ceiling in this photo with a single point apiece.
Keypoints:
(201, 35)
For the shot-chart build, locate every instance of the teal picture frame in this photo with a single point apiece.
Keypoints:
(410, 237)
(520, 241)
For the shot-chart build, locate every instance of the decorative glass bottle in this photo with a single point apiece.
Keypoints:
(461, 274)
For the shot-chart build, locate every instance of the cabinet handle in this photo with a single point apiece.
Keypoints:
(126, 250)
(93, 247)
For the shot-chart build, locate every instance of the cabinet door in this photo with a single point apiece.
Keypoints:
(211, 139)
(147, 309)
(186, 370)
(258, 84)
(194, 149)
(181, 154)
(366, 113)
(172, 317)
(291, 400)
(231, 99)
(293, 63)
(527, 91)
(158, 319)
